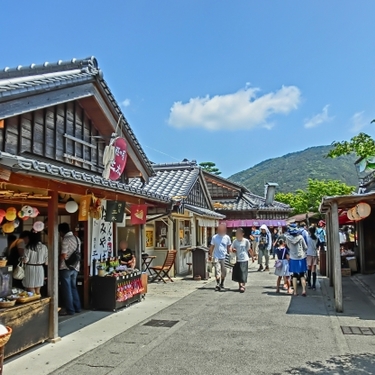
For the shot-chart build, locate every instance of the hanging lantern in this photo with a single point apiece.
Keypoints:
(8, 227)
(2, 213)
(363, 210)
(38, 226)
(71, 206)
(353, 215)
(11, 214)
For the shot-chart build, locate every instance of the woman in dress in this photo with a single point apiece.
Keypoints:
(35, 257)
(312, 257)
(241, 247)
(282, 267)
(297, 261)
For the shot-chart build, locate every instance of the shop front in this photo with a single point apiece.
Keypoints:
(67, 152)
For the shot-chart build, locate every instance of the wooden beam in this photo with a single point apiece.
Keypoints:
(361, 244)
(86, 266)
(53, 266)
(336, 257)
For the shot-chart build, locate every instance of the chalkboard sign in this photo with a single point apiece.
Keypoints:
(115, 211)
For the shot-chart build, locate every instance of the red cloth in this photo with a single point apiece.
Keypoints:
(138, 214)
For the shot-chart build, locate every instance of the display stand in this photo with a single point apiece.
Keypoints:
(113, 293)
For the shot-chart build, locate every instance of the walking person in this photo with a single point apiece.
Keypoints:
(254, 240)
(312, 257)
(297, 257)
(35, 257)
(282, 266)
(220, 247)
(275, 236)
(241, 246)
(321, 234)
(264, 247)
(68, 275)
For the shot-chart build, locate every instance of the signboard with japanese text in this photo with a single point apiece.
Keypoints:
(120, 157)
(115, 211)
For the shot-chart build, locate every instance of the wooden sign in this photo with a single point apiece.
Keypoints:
(120, 157)
(115, 211)
(84, 208)
(138, 214)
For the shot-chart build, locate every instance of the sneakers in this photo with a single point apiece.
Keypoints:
(217, 288)
(222, 286)
(266, 269)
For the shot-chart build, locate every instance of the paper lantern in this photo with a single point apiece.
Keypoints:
(38, 226)
(71, 206)
(35, 213)
(353, 215)
(8, 227)
(11, 214)
(363, 210)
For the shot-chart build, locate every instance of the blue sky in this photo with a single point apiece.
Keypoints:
(235, 82)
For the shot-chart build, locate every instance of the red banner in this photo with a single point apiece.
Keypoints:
(138, 214)
(119, 162)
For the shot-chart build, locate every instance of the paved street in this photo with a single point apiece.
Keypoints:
(258, 332)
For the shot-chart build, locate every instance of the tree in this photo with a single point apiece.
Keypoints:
(362, 145)
(210, 166)
(303, 201)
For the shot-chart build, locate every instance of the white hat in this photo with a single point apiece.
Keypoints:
(264, 226)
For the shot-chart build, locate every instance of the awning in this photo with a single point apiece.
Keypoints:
(204, 212)
(250, 223)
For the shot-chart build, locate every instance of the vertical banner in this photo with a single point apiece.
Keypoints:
(101, 236)
(84, 208)
(138, 214)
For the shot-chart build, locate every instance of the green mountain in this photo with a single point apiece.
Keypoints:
(292, 171)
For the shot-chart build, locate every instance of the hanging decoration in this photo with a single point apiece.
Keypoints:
(38, 226)
(11, 214)
(8, 227)
(138, 214)
(84, 207)
(359, 212)
(16, 223)
(114, 158)
(115, 211)
(96, 208)
(71, 206)
(35, 213)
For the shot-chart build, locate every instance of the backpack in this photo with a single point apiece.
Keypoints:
(263, 241)
(74, 258)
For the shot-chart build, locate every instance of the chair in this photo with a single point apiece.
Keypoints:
(162, 271)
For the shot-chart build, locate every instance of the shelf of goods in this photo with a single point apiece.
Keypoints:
(111, 293)
(29, 323)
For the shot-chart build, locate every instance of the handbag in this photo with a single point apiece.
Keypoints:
(230, 261)
(19, 272)
(279, 262)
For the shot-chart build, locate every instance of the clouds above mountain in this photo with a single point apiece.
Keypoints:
(244, 109)
(318, 119)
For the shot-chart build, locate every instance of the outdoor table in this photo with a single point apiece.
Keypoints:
(146, 262)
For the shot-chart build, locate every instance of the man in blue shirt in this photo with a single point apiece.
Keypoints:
(220, 245)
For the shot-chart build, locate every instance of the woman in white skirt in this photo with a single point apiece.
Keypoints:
(282, 266)
(35, 257)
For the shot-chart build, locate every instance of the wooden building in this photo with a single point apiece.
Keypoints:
(55, 121)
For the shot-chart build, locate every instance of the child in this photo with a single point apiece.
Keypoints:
(282, 266)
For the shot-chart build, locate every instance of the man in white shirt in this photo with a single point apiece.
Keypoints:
(220, 246)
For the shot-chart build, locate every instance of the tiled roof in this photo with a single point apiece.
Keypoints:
(26, 81)
(171, 179)
(204, 211)
(249, 202)
(58, 172)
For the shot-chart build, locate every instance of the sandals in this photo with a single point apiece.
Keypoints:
(304, 294)
(242, 289)
(277, 290)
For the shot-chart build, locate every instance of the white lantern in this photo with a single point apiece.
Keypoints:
(353, 215)
(363, 210)
(71, 206)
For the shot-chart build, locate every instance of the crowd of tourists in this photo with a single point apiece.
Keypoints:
(295, 250)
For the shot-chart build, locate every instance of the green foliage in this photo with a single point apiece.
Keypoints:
(362, 145)
(292, 171)
(210, 166)
(308, 200)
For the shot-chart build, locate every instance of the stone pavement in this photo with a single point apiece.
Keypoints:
(258, 332)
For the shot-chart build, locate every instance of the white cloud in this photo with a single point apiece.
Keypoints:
(358, 122)
(126, 103)
(318, 119)
(240, 110)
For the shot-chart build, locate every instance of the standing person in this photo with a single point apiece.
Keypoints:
(254, 240)
(220, 246)
(35, 257)
(10, 239)
(304, 232)
(282, 271)
(68, 275)
(16, 252)
(126, 255)
(297, 257)
(241, 246)
(264, 247)
(321, 234)
(275, 236)
(312, 257)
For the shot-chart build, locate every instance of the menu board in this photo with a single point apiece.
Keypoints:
(115, 211)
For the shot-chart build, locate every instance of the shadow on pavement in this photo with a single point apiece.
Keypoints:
(348, 364)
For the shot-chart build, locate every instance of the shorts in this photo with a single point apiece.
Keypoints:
(220, 269)
(312, 261)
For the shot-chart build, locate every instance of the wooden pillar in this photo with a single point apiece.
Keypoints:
(329, 254)
(361, 244)
(336, 257)
(53, 265)
(86, 265)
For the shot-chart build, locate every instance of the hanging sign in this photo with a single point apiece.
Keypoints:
(84, 208)
(138, 214)
(114, 158)
(115, 211)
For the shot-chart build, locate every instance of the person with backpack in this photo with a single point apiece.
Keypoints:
(264, 247)
(70, 257)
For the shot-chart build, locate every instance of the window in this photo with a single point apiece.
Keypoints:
(185, 233)
(161, 234)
